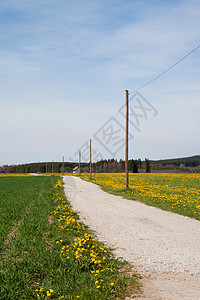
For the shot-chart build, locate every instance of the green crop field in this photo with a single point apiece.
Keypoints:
(47, 253)
(16, 196)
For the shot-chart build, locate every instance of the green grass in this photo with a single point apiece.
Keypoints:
(25, 258)
(16, 194)
(53, 256)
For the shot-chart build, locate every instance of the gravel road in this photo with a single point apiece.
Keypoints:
(164, 247)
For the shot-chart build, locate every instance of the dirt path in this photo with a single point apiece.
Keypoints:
(164, 247)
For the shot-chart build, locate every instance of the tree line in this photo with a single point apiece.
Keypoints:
(191, 161)
(102, 166)
(186, 164)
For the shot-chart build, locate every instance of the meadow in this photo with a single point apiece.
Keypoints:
(179, 193)
(50, 254)
(16, 196)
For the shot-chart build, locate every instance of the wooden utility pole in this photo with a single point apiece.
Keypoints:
(79, 162)
(52, 166)
(63, 164)
(126, 149)
(90, 159)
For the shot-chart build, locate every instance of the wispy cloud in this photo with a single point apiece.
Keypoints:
(82, 55)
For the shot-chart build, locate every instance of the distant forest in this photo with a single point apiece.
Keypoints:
(186, 164)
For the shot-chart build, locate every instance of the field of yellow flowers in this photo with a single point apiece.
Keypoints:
(179, 193)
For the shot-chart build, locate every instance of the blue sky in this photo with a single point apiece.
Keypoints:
(65, 65)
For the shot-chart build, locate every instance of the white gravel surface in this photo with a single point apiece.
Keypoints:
(164, 247)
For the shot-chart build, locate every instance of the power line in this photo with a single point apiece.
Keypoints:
(158, 76)
(150, 81)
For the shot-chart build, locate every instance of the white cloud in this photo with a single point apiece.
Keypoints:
(71, 63)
